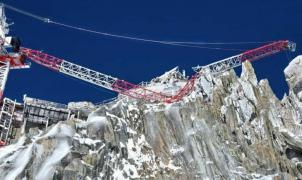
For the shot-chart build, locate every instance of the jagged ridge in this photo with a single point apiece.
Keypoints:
(237, 129)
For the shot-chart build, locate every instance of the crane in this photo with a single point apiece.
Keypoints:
(141, 92)
(133, 90)
(10, 58)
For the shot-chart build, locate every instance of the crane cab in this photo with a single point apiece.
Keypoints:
(10, 53)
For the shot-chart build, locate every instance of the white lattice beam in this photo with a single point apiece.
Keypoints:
(87, 75)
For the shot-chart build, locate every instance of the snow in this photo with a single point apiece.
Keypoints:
(21, 154)
(135, 152)
(48, 167)
(170, 165)
(20, 162)
(129, 170)
(248, 90)
(80, 105)
(94, 121)
(247, 73)
(206, 83)
(58, 131)
(168, 89)
(87, 141)
(169, 76)
(177, 150)
(131, 107)
(139, 153)
(223, 109)
(7, 150)
(293, 74)
(293, 71)
(131, 131)
(246, 107)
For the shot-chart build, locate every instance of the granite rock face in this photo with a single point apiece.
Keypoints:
(229, 127)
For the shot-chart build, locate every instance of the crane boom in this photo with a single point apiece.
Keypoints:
(91, 76)
(141, 92)
(250, 55)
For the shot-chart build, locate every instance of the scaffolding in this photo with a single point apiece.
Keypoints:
(44, 112)
(6, 118)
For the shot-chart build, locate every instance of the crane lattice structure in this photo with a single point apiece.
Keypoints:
(141, 92)
(122, 86)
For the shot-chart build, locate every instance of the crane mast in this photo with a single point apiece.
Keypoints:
(8, 60)
(141, 92)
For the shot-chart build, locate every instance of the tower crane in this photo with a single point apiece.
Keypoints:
(10, 57)
(141, 92)
(130, 89)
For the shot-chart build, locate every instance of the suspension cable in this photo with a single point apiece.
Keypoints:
(172, 43)
(141, 39)
(26, 13)
(221, 43)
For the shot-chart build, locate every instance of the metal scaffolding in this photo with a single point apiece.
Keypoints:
(6, 118)
(44, 112)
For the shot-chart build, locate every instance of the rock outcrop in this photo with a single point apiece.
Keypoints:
(229, 127)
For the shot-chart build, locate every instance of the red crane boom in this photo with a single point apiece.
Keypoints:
(140, 92)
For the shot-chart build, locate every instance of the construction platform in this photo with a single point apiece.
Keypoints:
(17, 118)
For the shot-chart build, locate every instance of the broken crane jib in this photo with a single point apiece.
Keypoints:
(142, 92)
(43, 112)
(16, 60)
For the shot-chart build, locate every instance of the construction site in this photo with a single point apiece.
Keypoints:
(17, 117)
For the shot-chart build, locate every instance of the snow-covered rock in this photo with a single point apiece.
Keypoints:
(229, 127)
(293, 74)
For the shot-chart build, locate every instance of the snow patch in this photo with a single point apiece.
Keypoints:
(48, 167)
(175, 150)
(20, 162)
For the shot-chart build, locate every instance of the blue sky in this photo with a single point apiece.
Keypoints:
(205, 21)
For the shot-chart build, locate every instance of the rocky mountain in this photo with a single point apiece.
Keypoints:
(229, 127)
